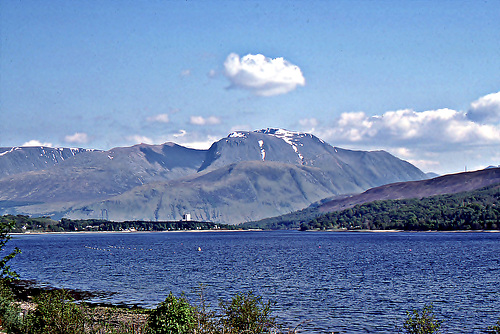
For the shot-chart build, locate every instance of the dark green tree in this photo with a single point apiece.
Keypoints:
(55, 313)
(495, 329)
(247, 313)
(5, 272)
(421, 321)
(174, 315)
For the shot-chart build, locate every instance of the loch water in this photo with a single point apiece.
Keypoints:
(349, 282)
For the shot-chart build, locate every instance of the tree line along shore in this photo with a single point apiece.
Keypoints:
(26, 224)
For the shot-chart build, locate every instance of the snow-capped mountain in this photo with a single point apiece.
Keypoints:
(246, 175)
(367, 169)
(15, 160)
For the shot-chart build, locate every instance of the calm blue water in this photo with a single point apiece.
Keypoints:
(348, 282)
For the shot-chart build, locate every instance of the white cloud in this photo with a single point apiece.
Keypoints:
(402, 152)
(261, 75)
(194, 140)
(486, 109)
(161, 118)
(425, 164)
(312, 122)
(77, 138)
(200, 145)
(441, 140)
(200, 120)
(181, 133)
(138, 139)
(308, 123)
(408, 126)
(212, 73)
(241, 127)
(34, 142)
(186, 73)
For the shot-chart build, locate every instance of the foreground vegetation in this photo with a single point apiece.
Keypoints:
(55, 313)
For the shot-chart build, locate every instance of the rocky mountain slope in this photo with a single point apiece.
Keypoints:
(15, 160)
(245, 176)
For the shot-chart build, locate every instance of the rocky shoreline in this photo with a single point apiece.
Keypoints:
(100, 314)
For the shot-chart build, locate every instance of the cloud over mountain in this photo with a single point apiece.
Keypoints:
(423, 137)
(486, 109)
(34, 142)
(138, 139)
(409, 126)
(261, 75)
(200, 120)
(77, 138)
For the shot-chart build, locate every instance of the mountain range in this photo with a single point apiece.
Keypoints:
(248, 175)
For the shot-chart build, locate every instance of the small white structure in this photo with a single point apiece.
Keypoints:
(186, 217)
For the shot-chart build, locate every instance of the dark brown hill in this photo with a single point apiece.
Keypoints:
(447, 184)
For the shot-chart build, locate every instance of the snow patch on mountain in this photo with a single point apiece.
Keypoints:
(237, 134)
(262, 151)
(9, 151)
(292, 138)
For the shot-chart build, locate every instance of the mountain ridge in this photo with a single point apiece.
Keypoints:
(92, 177)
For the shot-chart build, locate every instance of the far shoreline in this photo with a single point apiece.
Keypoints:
(128, 232)
(409, 231)
(255, 230)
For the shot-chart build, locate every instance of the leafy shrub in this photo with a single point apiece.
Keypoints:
(5, 271)
(173, 315)
(247, 313)
(244, 313)
(494, 329)
(421, 322)
(55, 313)
(9, 311)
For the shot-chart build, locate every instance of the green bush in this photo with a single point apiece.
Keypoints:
(244, 313)
(494, 329)
(247, 313)
(55, 313)
(421, 321)
(5, 271)
(9, 311)
(173, 315)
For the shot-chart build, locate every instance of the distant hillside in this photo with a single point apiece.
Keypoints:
(471, 210)
(245, 176)
(235, 193)
(447, 184)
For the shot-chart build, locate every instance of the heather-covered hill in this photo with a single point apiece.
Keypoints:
(447, 184)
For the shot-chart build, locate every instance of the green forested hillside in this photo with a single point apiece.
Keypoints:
(475, 210)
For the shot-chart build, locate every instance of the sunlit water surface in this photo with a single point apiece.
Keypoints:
(347, 282)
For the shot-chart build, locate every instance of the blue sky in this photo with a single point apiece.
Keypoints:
(420, 79)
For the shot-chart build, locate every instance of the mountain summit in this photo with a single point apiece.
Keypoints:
(247, 175)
